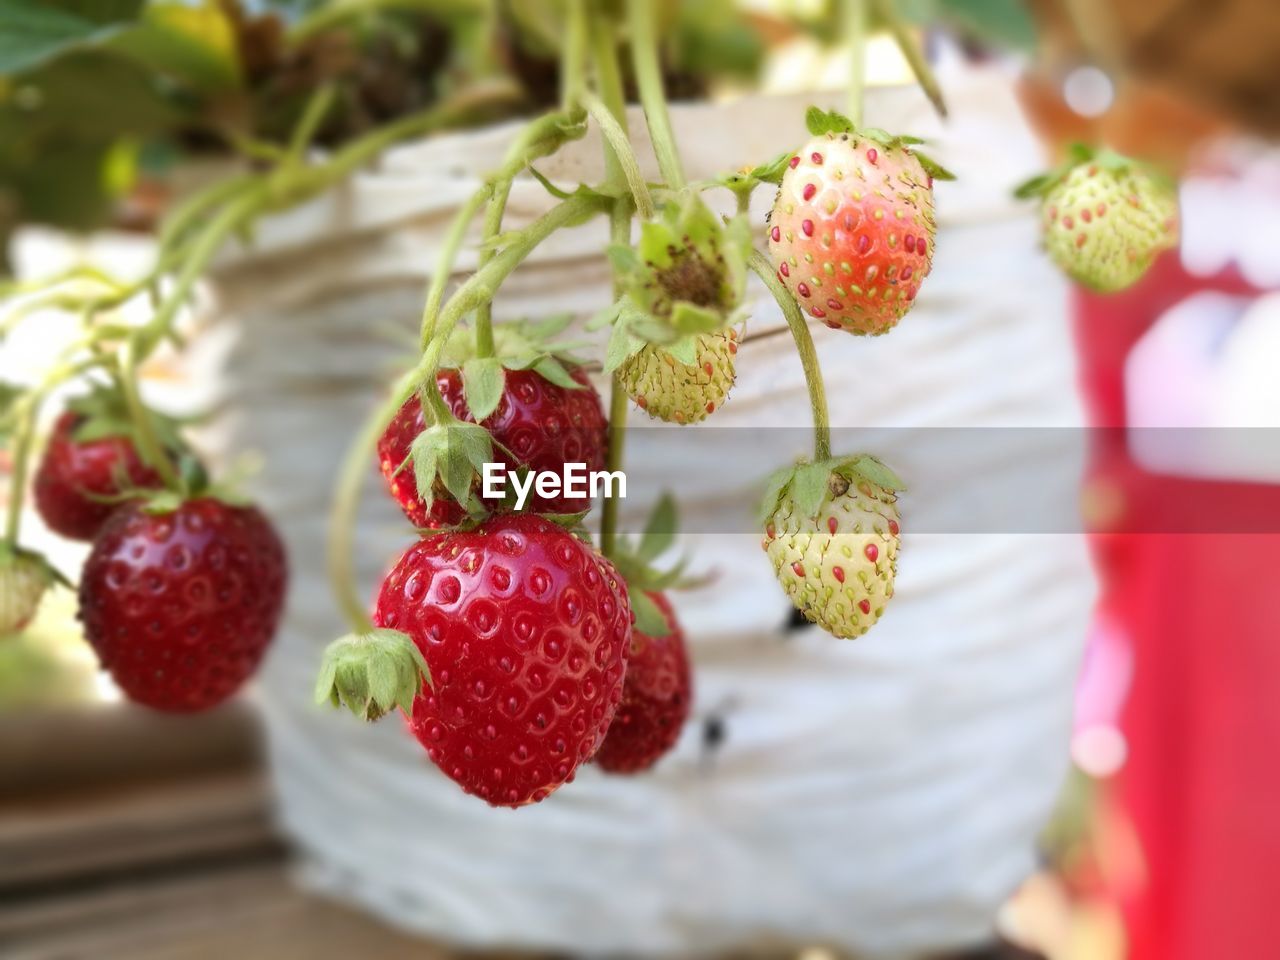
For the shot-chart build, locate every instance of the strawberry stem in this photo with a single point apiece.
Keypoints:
(149, 447)
(808, 354)
(620, 148)
(644, 58)
(854, 14)
(612, 97)
(22, 441)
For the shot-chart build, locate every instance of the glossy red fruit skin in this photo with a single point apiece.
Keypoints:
(526, 630)
(656, 699)
(180, 606)
(72, 474)
(544, 425)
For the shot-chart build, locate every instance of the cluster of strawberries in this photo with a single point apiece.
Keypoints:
(181, 592)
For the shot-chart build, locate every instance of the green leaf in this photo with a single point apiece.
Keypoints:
(809, 487)
(873, 470)
(482, 382)
(689, 319)
(34, 33)
(194, 44)
(821, 121)
(933, 168)
(773, 490)
(660, 531)
(552, 370)
(772, 172)
(684, 350)
(1007, 23)
(550, 187)
(649, 618)
(622, 346)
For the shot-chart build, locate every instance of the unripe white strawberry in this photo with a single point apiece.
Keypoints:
(680, 392)
(23, 579)
(832, 534)
(1106, 218)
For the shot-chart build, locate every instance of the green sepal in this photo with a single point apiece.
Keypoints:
(12, 553)
(550, 187)
(649, 619)
(819, 121)
(773, 171)
(372, 673)
(660, 531)
(1077, 154)
(482, 381)
(806, 483)
(455, 452)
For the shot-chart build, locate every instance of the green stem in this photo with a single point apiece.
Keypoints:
(808, 354)
(620, 148)
(573, 82)
(644, 58)
(308, 125)
(22, 442)
(612, 98)
(493, 215)
(149, 446)
(444, 263)
(854, 13)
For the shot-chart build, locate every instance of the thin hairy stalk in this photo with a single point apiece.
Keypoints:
(854, 15)
(644, 58)
(808, 354)
(149, 446)
(620, 146)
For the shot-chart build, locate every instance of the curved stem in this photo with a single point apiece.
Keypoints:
(644, 58)
(620, 146)
(444, 263)
(808, 354)
(22, 441)
(854, 15)
(308, 125)
(149, 446)
(612, 98)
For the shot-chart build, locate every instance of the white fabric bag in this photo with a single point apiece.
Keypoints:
(883, 794)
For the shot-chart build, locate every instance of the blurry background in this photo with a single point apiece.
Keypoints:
(119, 839)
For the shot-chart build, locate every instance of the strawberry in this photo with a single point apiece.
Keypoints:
(181, 603)
(851, 231)
(1105, 217)
(525, 631)
(831, 532)
(656, 698)
(81, 477)
(537, 404)
(680, 392)
(674, 329)
(24, 577)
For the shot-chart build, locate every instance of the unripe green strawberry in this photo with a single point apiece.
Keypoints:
(851, 231)
(23, 579)
(680, 392)
(1104, 226)
(832, 532)
(1105, 217)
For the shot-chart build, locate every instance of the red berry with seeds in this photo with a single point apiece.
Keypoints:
(78, 481)
(852, 228)
(181, 605)
(526, 631)
(543, 424)
(656, 698)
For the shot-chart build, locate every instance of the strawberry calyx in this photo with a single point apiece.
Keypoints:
(821, 122)
(634, 558)
(103, 413)
(685, 277)
(371, 673)
(806, 484)
(526, 345)
(24, 577)
(1081, 153)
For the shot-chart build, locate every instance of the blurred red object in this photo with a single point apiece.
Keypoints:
(1201, 785)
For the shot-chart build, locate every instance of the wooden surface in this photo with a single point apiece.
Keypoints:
(124, 834)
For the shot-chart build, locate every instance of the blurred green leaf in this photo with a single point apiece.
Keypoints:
(1005, 23)
(194, 44)
(33, 33)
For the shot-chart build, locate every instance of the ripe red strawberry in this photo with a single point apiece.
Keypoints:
(77, 478)
(656, 698)
(181, 605)
(851, 232)
(526, 632)
(545, 425)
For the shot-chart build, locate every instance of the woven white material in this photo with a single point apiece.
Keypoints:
(882, 794)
